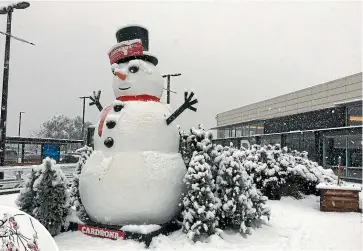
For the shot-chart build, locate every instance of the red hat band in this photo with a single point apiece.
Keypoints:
(126, 49)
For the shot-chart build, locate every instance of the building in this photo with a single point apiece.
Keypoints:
(324, 120)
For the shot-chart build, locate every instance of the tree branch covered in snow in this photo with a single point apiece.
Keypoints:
(11, 237)
(75, 199)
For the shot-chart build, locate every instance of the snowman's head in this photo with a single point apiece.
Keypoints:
(136, 77)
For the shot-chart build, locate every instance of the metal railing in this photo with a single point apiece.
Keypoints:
(14, 176)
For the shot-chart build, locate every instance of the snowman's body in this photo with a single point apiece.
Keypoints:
(138, 179)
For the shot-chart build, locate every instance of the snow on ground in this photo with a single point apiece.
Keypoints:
(294, 224)
(8, 200)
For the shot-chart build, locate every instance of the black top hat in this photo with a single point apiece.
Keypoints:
(136, 32)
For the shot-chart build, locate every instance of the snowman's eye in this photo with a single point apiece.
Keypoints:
(133, 69)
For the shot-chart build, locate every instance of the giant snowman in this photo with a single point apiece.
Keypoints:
(135, 173)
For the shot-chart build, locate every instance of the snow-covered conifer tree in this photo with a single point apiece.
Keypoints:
(75, 199)
(25, 200)
(52, 199)
(199, 213)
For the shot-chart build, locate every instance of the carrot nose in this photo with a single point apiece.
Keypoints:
(120, 75)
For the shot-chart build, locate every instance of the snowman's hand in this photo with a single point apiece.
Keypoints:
(95, 100)
(188, 102)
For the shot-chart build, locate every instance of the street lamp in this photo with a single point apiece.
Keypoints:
(20, 113)
(168, 85)
(83, 113)
(4, 101)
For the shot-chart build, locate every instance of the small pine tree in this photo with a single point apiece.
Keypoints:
(75, 199)
(25, 200)
(52, 199)
(199, 214)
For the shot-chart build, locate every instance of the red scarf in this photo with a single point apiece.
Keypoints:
(142, 97)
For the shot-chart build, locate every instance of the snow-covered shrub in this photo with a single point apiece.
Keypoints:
(219, 190)
(306, 174)
(241, 204)
(277, 172)
(199, 212)
(25, 200)
(75, 199)
(52, 197)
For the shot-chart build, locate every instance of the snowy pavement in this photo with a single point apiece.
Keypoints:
(294, 225)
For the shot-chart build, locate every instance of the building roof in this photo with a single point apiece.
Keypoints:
(330, 94)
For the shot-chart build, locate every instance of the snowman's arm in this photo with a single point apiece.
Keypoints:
(188, 104)
(95, 100)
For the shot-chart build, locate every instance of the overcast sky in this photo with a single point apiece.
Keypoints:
(230, 53)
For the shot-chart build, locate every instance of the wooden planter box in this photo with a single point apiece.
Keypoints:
(335, 198)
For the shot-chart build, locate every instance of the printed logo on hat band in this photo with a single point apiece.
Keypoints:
(126, 49)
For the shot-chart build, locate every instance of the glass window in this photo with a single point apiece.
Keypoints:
(354, 150)
(231, 132)
(275, 139)
(260, 129)
(308, 144)
(220, 133)
(354, 115)
(293, 141)
(252, 130)
(239, 131)
(265, 140)
(334, 146)
(245, 130)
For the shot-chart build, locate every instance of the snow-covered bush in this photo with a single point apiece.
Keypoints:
(199, 213)
(25, 200)
(52, 198)
(220, 193)
(75, 199)
(241, 204)
(277, 172)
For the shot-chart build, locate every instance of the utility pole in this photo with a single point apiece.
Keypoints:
(19, 133)
(83, 113)
(4, 101)
(168, 85)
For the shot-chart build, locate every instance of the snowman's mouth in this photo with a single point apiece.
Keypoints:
(122, 89)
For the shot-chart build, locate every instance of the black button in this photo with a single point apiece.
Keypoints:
(109, 142)
(118, 108)
(110, 124)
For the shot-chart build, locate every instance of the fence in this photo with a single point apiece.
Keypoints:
(14, 176)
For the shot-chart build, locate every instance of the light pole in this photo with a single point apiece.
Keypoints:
(168, 85)
(4, 101)
(83, 113)
(20, 113)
